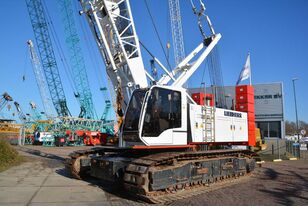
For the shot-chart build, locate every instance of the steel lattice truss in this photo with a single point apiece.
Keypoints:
(113, 27)
(177, 32)
(47, 56)
(80, 77)
(40, 80)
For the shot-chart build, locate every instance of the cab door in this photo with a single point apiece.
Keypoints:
(162, 120)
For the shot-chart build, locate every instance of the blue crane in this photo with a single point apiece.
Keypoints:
(107, 122)
(78, 67)
(41, 32)
(36, 115)
(20, 113)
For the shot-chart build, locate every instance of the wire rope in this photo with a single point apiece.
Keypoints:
(157, 34)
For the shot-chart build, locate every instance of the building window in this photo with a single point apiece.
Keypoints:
(270, 129)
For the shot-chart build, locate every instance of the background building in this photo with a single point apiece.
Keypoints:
(269, 111)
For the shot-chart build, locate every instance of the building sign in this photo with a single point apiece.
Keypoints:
(268, 96)
(268, 101)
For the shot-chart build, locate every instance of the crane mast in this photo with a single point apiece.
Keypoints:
(42, 36)
(113, 27)
(40, 80)
(176, 30)
(78, 67)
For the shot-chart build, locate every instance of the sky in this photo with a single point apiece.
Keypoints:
(273, 31)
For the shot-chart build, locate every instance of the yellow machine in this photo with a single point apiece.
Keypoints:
(260, 145)
(9, 130)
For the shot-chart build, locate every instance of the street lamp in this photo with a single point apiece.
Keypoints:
(293, 80)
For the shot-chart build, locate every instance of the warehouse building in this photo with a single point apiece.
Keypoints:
(269, 108)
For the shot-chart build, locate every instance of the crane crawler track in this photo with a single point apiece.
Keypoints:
(193, 190)
(168, 176)
(72, 164)
(171, 176)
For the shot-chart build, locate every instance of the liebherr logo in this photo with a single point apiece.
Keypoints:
(232, 114)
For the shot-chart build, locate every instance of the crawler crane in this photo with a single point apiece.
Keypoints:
(166, 139)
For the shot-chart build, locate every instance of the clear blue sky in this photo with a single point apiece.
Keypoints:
(274, 31)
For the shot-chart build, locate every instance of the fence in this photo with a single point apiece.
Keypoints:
(283, 149)
(293, 148)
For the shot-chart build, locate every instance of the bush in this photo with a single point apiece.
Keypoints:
(8, 156)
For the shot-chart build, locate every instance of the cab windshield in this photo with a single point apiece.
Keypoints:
(131, 121)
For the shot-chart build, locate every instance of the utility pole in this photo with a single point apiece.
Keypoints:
(293, 80)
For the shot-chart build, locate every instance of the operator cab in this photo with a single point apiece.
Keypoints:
(156, 116)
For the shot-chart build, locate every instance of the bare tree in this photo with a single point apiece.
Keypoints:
(291, 127)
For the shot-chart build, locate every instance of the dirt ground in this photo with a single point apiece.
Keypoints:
(281, 183)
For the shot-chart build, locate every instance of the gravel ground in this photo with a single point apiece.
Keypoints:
(281, 183)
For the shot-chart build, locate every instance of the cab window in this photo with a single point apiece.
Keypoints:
(163, 112)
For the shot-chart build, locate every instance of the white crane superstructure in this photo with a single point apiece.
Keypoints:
(164, 113)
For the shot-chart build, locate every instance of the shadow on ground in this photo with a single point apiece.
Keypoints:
(41, 154)
(112, 189)
(289, 185)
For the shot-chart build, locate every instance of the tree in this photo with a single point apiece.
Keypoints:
(291, 127)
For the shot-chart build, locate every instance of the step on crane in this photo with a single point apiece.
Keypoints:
(162, 144)
(42, 36)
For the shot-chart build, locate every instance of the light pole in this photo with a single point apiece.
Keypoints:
(293, 80)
